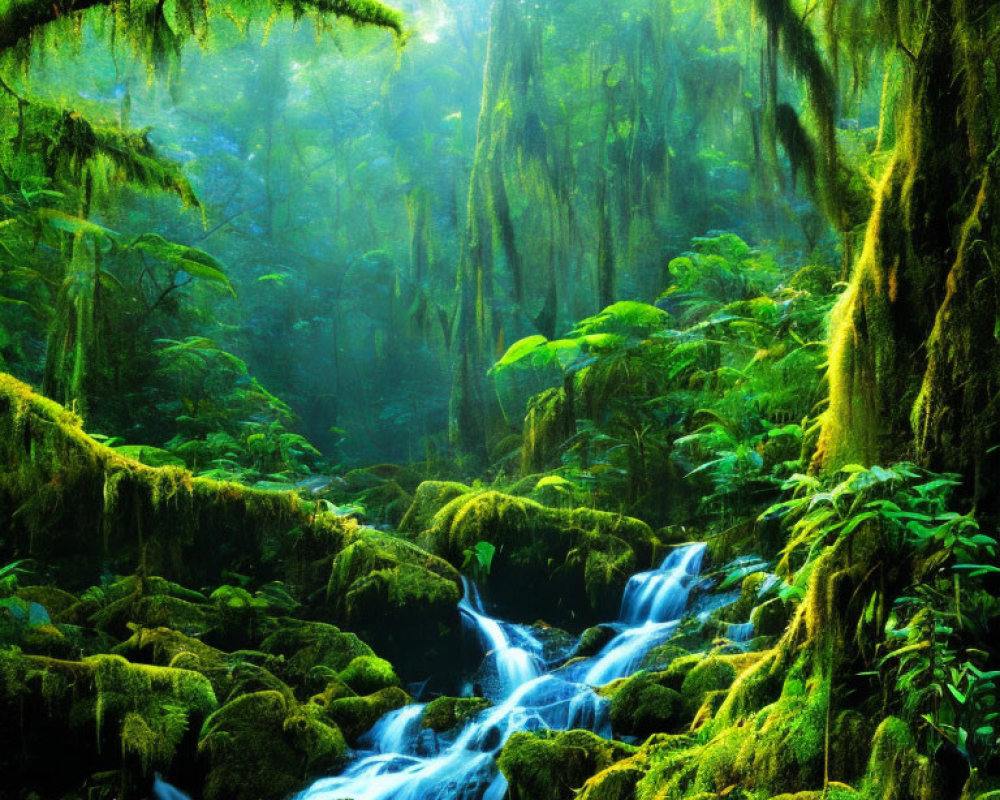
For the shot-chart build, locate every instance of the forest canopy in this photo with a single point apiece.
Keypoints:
(564, 400)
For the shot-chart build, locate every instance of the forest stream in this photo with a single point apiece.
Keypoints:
(499, 400)
(527, 692)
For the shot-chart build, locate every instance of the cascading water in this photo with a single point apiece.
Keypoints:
(404, 762)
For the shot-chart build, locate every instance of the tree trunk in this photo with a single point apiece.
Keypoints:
(914, 360)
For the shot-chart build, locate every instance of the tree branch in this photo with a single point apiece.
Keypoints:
(20, 19)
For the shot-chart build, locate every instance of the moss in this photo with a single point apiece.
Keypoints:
(770, 618)
(367, 674)
(429, 498)
(371, 551)
(444, 713)
(313, 652)
(152, 707)
(85, 507)
(663, 656)
(161, 646)
(356, 715)
(742, 609)
(551, 766)
(617, 782)
(576, 557)
(56, 601)
(47, 640)
(896, 771)
(709, 675)
(404, 586)
(592, 640)
(262, 745)
(643, 706)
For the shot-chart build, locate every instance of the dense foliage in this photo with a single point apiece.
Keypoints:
(315, 316)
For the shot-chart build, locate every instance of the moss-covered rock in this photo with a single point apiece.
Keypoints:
(712, 674)
(547, 765)
(592, 640)
(54, 600)
(579, 559)
(642, 705)
(367, 674)
(261, 745)
(617, 782)
(444, 713)
(429, 498)
(124, 514)
(356, 715)
(313, 652)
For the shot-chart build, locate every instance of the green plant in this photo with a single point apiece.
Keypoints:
(478, 560)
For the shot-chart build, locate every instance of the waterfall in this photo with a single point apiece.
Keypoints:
(396, 764)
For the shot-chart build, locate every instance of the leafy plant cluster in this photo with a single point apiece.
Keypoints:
(229, 427)
(924, 608)
(717, 381)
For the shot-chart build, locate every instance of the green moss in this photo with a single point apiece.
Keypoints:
(54, 600)
(551, 766)
(580, 557)
(263, 745)
(356, 715)
(593, 639)
(712, 674)
(84, 507)
(617, 782)
(161, 646)
(313, 652)
(367, 674)
(152, 707)
(741, 610)
(643, 706)
(429, 498)
(444, 713)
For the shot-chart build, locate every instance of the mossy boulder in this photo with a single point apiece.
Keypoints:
(444, 713)
(550, 765)
(712, 674)
(400, 598)
(367, 674)
(771, 618)
(262, 745)
(617, 782)
(748, 599)
(150, 707)
(410, 614)
(356, 715)
(643, 705)
(429, 498)
(54, 600)
(312, 652)
(592, 640)
(578, 559)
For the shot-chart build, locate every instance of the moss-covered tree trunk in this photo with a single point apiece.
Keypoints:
(914, 359)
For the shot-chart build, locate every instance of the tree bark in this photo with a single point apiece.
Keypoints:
(914, 359)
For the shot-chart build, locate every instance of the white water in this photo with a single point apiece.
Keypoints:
(403, 762)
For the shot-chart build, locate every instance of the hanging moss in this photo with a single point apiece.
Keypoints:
(148, 29)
